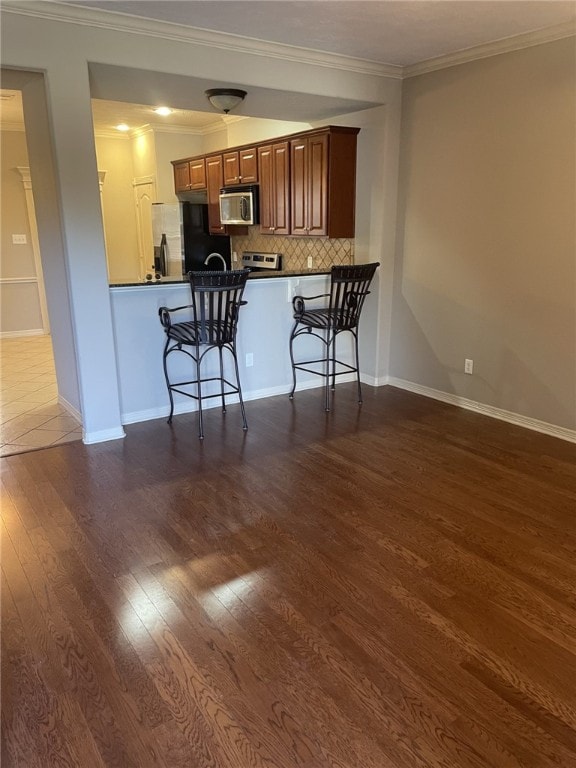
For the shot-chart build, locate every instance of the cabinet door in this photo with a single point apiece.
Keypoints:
(266, 189)
(214, 179)
(197, 174)
(231, 168)
(317, 214)
(299, 186)
(273, 164)
(182, 177)
(281, 188)
(248, 166)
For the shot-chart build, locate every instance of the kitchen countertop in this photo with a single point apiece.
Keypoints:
(127, 283)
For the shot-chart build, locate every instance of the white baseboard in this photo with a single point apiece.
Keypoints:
(70, 408)
(487, 410)
(471, 405)
(190, 405)
(21, 334)
(103, 435)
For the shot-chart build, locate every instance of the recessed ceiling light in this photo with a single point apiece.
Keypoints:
(164, 111)
(122, 127)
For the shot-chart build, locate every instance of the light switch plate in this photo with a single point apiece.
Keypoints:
(19, 240)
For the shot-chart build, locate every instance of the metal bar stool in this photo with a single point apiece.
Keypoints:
(216, 302)
(348, 289)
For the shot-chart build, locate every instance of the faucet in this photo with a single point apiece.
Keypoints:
(217, 256)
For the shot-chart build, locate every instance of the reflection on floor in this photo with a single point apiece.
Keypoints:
(31, 416)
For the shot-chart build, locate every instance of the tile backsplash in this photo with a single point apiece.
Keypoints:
(295, 251)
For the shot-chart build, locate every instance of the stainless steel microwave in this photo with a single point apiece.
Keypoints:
(239, 205)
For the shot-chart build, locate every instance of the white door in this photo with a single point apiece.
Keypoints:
(144, 196)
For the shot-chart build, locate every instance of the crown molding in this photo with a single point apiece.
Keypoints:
(494, 48)
(54, 10)
(120, 22)
(110, 133)
(143, 130)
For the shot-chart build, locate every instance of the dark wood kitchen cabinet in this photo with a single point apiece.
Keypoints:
(307, 181)
(323, 183)
(190, 175)
(240, 167)
(273, 172)
(214, 182)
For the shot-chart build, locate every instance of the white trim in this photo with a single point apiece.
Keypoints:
(141, 180)
(103, 435)
(121, 22)
(190, 406)
(487, 410)
(19, 334)
(111, 133)
(187, 130)
(493, 48)
(70, 408)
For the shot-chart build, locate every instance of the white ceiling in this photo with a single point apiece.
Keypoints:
(400, 32)
(393, 32)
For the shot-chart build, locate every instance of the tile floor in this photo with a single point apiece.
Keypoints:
(30, 415)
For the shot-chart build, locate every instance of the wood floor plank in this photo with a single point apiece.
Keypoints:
(385, 586)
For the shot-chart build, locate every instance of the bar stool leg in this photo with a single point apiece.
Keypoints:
(222, 380)
(291, 395)
(168, 380)
(357, 367)
(244, 422)
(199, 392)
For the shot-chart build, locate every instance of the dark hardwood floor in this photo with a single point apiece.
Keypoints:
(390, 586)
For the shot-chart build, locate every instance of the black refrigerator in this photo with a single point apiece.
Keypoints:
(182, 241)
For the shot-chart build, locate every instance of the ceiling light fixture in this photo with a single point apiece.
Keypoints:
(225, 99)
(122, 127)
(164, 111)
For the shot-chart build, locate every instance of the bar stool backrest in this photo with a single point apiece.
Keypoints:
(216, 301)
(348, 288)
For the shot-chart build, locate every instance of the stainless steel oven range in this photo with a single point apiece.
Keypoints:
(257, 261)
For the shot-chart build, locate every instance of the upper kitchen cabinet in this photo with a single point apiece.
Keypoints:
(240, 167)
(323, 182)
(273, 172)
(215, 180)
(189, 175)
(307, 181)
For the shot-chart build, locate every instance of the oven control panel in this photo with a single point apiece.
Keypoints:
(261, 260)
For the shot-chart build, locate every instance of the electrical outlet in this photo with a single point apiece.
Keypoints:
(234, 256)
(249, 360)
(468, 366)
(310, 263)
(19, 240)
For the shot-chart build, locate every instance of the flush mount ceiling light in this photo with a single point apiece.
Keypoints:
(122, 127)
(225, 99)
(164, 111)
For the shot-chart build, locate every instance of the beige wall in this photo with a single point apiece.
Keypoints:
(172, 146)
(20, 299)
(115, 157)
(486, 233)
